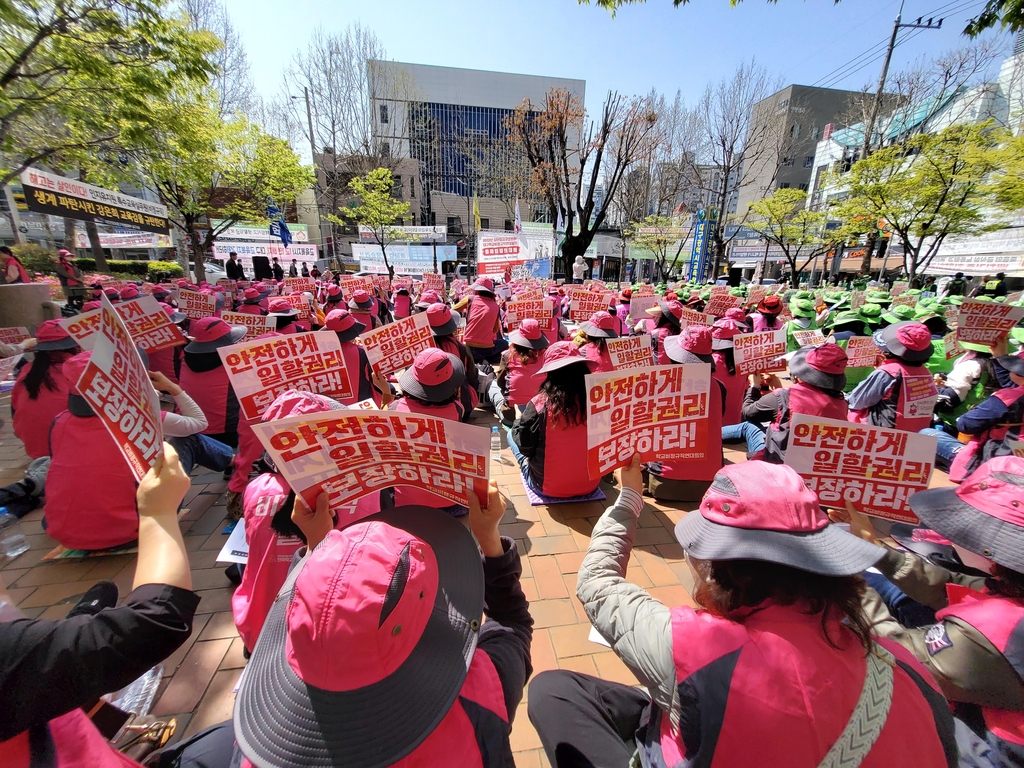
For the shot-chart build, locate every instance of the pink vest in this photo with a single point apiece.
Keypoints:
(250, 309)
(33, 418)
(365, 317)
(972, 455)
(565, 452)
(523, 380)
(767, 689)
(249, 450)
(210, 390)
(162, 361)
(760, 324)
(358, 374)
(76, 744)
(907, 376)
(270, 556)
(735, 389)
(812, 401)
(998, 619)
(483, 316)
(658, 336)
(403, 305)
(407, 495)
(599, 356)
(90, 490)
(702, 469)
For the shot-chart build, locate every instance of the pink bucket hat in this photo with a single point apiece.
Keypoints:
(441, 321)
(251, 296)
(294, 403)
(427, 298)
(403, 592)
(563, 353)
(175, 316)
(361, 300)
(723, 331)
(51, 337)
(73, 368)
(483, 285)
(433, 376)
(211, 333)
(344, 324)
(670, 310)
(909, 340)
(334, 292)
(761, 511)
(692, 345)
(128, 293)
(529, 335)
(282, 308)
(601, 325)
(822, 366)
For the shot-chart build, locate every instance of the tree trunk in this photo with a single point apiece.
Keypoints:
(387, 264)
(97, 250)
(70, 241)
(197, 253)
(869, 249)
(14, 228)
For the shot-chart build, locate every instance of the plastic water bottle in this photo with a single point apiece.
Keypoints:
(495, 444)
(12, 538)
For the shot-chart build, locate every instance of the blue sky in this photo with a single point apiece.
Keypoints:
(644, 46)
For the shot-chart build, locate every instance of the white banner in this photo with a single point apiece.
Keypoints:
(436, 234)
(299, 251)
(404, 259)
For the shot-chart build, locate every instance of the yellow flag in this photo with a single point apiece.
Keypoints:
(476, 212)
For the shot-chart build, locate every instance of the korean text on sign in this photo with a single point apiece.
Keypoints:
(14, 335)
(433, 282)
(874, 468)
(985, 322)
(83, 328)
(722, 303)
(582, 307)
(690, 317)
(394, 346)
(352, 453)
(350, 285)
(862, 352)
(117, 387)
(759, 352)
(812, 338)
(539, 310)
(255, 325)
(301, 304)
(299, 284)
(196, 305)
(7, 366)
(630, 352)
(659, 412)
(262, 369)
(149, 326)
(638, 306)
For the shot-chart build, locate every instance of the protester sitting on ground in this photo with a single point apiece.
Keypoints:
(204, 378)
(591, 340)
(766, 317)
(549, 441)
(40, 392)
(285, 316)
(667, 316)
(251, 303)
(483, 333)
(519, 378)
(168, 360)
(443, 325)
(804, 315)
(366, 384)
(686, 480)
(362, 306)
(50, 671)
(882, 398)
(769, 663)
(972, 379)
(184, 430)
(819, 375)
(973, 650)
(430, 386)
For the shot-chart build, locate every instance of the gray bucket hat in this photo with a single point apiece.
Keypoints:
(823, 366)
(433, 376)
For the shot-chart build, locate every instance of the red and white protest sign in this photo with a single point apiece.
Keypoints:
(196, 305)
(381, 281)
(83, 327)
(394, 346)
(540, 310)
(857, 299)
(583, 306)
(630, 352)
(719, 290)
(529, 294)
(262, 369)
(952, 346)
(1017, 447)
(985, 322)
(811, 338)
(904, 300)
(659, 412)
(433, 282)
(900, 286)
(7, 366)
(689, 317)
(638, 306)
(874, 468)
(148, 324)
(862, 352)
(722, 303)
(301, 303)
(117, 387)
(255, 325)
(349, 454)
(759, 352)
(755, 294)
(644, 290)
(350, 285)
(299, 284)
(14, 335)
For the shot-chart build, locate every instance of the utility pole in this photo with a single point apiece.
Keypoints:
(869, 124)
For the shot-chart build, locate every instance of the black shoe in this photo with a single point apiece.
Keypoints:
(234, 573)
(99, 596)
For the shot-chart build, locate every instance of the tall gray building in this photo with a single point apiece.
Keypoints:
(784, 132)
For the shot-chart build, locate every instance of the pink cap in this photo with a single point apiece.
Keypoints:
(207, 329)
(74, 367)
(280, 307)
(91, 305)
(790, 506)
(674, 308)
(736, 314)
(563, 353)
(339, 320)
(828, 358)
(602, 320)
(430, 297)
(696, 339)
(361, 298)
(129, 292)
(438, 314)
(251, 293)
(334, 290)
(295, 403)
(484, 284)
(432, 367)
(915, 336)
(111, 293)
(530, 329)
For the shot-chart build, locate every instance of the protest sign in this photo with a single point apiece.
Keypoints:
(857, 299)
(116, 385)
(759, 352)
(874, 468)
(862, 352)
(7, 366)
(394, 346)
(196, 305)
(1017, 446)
(299, 284)
(82, 328)
(350, 285)
(644, 290)
(659, 412)
(349, 454)
(262, 369)
(381, 281)
(149, 326)
(630, 352)
(255, 325)
(722, 303)
(985, 322)
(811, 338)
(904, 300)
(689, 317)
(539, 310)
(952, 346)
(755, 295)
(951, 314)
(227, 285)
(14, 335)
(433, 282)
(719, 290)
(899, 287)
(638, 306)
(584, 305)
(529, 294)
(301, 303)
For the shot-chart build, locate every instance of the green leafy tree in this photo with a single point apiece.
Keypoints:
(664, 236)
(81, 76)
(784, 221)
(929, 188)
(377, 210)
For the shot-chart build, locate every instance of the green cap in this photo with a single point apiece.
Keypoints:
(899, 314)
(804, 295)
(834, 297)
(956, 300)
(802, 308)
(878, 297)
(870, 313)
(843, 318)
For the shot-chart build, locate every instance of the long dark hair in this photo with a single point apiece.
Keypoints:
(526, 355)
(1006, 582)
(40, 373)
(732, 584)
(730, 359)
(566, 392)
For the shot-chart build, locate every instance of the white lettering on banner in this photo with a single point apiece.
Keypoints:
(631, 352)
(659, 412)
(14, 335)
(262, 369)
(412, 234)
(117, 387)
(539, 309)
(404, 259)
(985, 322)
(196, 305)
(862, 352)
(352, 453)
(255, 325)
(759, 352)
(299, 251)
(394, 346)
(874, 468)
(136, 240)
